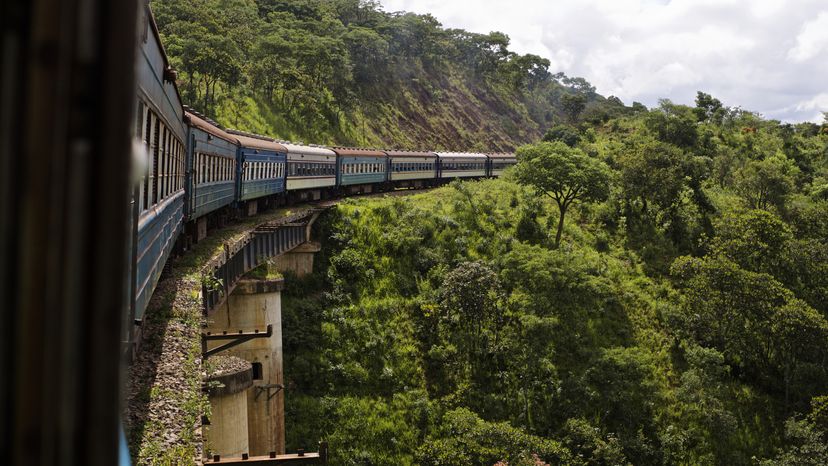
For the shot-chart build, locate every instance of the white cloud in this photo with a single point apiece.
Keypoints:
(765, 55)
(812, 41)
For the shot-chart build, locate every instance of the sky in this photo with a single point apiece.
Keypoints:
(768, 56)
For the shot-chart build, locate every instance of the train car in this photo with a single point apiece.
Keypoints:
(360, 170)
(498, 162)
(311, 171)
(262, 164)
(411, 169)
(461, 165)
(212, 175)
(158, 200)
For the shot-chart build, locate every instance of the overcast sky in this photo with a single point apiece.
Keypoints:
(769, 56)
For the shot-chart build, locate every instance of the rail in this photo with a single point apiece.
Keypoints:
(266, 241)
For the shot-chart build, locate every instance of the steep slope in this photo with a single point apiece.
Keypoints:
(344, 71)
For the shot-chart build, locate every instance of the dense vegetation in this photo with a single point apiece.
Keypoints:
(646, 287)
(344, 71)
(681, 319)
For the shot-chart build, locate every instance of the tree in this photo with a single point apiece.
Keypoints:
(652, 172)
(564, 133)
(709, 108)
(573, 105)
(766, 183)
(469, 298)
(564, 174)
(756, 240)
(776, 340)
(674, 124)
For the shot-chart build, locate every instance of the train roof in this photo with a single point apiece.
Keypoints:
(501, 155)
(462, 155)
(306, 150)
(410, 153)
(168, 74)
(256, 141)
(358, 152)
(208, 127)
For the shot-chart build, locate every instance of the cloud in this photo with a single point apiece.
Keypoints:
(812, 41)
(769, 56)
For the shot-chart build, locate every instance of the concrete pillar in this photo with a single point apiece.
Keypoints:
(201, 228)
(252, 207)
(255, 304)
(227, 434)
(299, 260)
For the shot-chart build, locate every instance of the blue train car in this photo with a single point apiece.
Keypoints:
(158, 200)
(360, 170)
(262, 164)
(212, 177)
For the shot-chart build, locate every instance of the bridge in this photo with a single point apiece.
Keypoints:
(234, 319)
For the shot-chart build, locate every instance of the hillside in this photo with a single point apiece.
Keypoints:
(346, 72)
(681, 320)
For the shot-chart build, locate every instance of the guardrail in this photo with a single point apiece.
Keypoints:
(266, 241)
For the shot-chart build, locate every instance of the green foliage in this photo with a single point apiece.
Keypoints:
(766, 183)
(564, 174)
(441, 328)
(777, 340)
(345, 71)
(566, 134)
(464, 438)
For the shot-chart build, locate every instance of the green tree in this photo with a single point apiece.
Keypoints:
(564, 174)
(564, 133)
(766, 183)
(674, 124)
(759, 326)
(709, 108)
(573, 105)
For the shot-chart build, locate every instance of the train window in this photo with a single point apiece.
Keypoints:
(168, 162)
(171, 165)
(156, 139)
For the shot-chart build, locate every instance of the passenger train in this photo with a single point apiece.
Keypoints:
(198, 174)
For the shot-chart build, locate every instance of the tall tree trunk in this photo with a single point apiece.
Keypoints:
(562, 208)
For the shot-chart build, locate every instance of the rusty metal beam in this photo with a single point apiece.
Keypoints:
(273, 459)
(236, 339)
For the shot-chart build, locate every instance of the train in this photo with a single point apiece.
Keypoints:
(197, 175)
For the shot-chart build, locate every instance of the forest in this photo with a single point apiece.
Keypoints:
(346, 72)
(647, 286)
(675, 315)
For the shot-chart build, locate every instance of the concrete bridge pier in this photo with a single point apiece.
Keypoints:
(228, 390)
(299, 260)
(253, 306)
